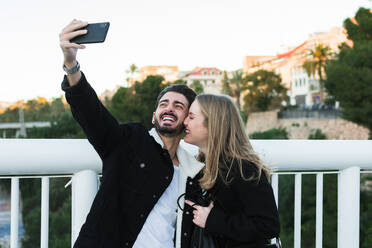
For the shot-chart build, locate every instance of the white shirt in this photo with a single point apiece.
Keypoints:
(158, 230)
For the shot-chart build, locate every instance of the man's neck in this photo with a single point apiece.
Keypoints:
(171, 144)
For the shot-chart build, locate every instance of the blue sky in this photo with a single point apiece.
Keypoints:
(185, 33)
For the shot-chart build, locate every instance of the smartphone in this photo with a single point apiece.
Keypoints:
(96, 33)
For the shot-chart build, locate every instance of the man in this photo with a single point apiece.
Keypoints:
(143, 172)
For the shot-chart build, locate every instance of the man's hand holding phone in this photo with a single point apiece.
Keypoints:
(71, 39)
(72, 30)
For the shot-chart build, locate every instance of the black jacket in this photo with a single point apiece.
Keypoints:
(136, 171)
(244, 212)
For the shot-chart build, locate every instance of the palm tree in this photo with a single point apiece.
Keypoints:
(316, 63)
(234, 85)
(131, 71)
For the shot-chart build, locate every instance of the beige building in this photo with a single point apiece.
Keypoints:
(302, 88)
(170, 73)
(209, 77)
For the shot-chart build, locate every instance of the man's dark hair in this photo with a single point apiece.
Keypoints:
(178, 88)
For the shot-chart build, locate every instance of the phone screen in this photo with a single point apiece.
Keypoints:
(96, 33)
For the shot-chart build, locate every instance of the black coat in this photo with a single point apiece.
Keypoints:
(244, 212)
(136, 171)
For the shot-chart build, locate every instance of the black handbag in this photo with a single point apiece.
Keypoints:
(199, 239)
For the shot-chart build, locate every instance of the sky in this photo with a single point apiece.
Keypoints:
(185, 33)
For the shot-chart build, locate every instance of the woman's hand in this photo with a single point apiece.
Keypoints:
(200, 213)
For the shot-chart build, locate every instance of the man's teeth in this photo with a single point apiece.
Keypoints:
(168, 119)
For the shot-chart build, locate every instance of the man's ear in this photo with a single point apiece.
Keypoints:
(153, 118)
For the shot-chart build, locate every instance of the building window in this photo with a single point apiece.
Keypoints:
(204, 73)
(212, 73)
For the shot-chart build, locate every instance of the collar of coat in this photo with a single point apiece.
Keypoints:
(186, 154)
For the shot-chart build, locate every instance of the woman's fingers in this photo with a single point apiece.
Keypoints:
(188, 202)
(192, 204)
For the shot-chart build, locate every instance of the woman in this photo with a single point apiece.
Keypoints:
(243, 212)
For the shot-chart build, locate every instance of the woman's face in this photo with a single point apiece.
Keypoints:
(195, 129)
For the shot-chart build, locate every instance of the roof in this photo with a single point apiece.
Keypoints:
(289, 54)
(200, 70)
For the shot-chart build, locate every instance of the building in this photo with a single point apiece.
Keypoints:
(170, 73)
(209, 77)
(303, 89)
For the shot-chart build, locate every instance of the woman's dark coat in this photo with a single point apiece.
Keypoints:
(244, 212)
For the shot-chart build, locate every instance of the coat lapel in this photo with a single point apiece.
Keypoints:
(189, 167)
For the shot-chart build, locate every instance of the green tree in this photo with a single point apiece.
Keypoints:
(136, 104)
(274, 133)
(63, 127)
(197, 86)
(226, 89)
(349, 75)
(317, 135)
(179, 81)
(316, 63)
(265, 91)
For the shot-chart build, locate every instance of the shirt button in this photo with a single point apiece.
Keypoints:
(127, 244)
(190, 183)
(142, 215)
(187, 212)
(184, 234)
(167, 177)
(142, 165)
(154, 196)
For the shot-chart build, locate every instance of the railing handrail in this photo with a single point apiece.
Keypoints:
(69, 156)
(76, 157)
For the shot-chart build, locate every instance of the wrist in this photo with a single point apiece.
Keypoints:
(71, 68)
(70, 65)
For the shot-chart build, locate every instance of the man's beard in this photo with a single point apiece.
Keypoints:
(168, 131)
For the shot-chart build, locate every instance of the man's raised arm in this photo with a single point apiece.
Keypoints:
(70, 49)
(101, 128)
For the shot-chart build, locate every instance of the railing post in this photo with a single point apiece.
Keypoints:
(319, 211)
(84, 189)
(44, 212)
(275, 186)
(14, 212)
(297, 213)
(348, 208)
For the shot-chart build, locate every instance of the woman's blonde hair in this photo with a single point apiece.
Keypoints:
(227, 141)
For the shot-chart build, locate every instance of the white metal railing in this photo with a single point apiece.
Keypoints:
(45, 157)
